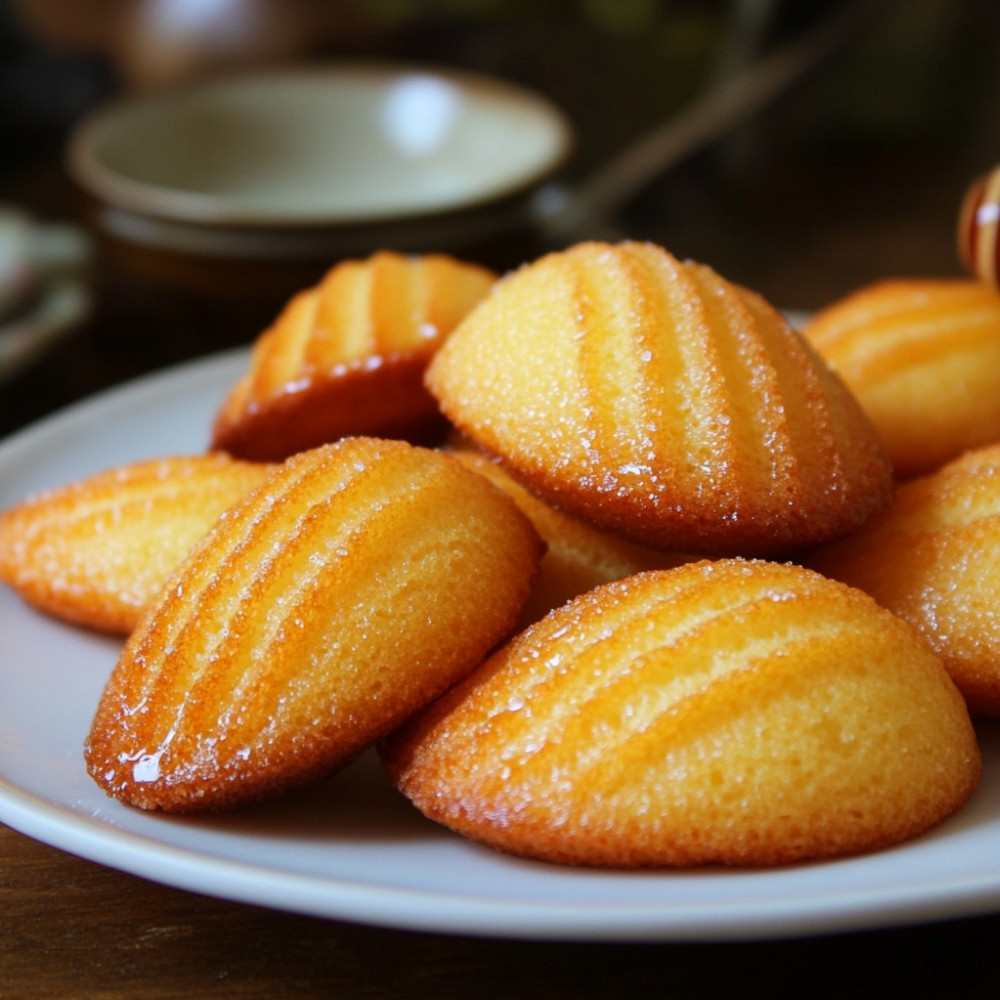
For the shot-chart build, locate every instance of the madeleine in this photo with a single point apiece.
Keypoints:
(656, 400)
(348, 357)
(737, 713)
(934, 559)
(922, 356)
(98, 551)
(355, 585)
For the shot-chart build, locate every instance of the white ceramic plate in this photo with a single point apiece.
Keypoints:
(352, 848)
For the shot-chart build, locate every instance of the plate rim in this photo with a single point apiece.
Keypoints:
(467, 914)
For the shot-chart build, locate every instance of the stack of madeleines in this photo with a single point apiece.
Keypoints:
(609, 562)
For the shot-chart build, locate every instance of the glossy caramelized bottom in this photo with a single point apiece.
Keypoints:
(348, 357)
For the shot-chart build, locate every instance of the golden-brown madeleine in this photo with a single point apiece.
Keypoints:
(578, 556)
(934, 559)
(656, 400)
(96, 552)
(741, 713)
(356, 584)
(348, 356)
(922, 356)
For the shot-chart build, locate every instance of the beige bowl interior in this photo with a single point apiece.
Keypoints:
(319, 146)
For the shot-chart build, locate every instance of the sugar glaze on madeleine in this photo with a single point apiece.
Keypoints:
(355, 585)
(97, 551)
(933, 558)
(922, 356)
(731, 712)
(655, 399)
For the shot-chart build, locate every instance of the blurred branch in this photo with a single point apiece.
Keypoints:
(730, 102)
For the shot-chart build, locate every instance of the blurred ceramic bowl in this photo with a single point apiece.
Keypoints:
(318, 160)
(43, 288)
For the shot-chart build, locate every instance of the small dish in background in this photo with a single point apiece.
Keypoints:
(43, 294)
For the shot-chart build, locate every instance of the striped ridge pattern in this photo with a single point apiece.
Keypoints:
(709, 372)
(656, 399)
(385, 305)
(734, 711)
(624, 661)
(310, 621)
(922, 356)
(348, 356)
(896, 326)
(98, 550)
(931, 559)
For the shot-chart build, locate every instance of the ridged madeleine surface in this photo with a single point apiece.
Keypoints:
(96, 552)
(578, 556)
(742, 713)
(655, 399)
(934, 559)
(348, 356)
(922, 356)
(356, 584)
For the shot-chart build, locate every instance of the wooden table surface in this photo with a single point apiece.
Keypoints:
(70, 928)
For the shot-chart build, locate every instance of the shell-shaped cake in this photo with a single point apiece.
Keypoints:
(655, 399)
(934, 559)
(922, 356)
(348, 356)
(732, 712)
(578, 556)
(979, 228)
(97, 551)
(356, 584)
